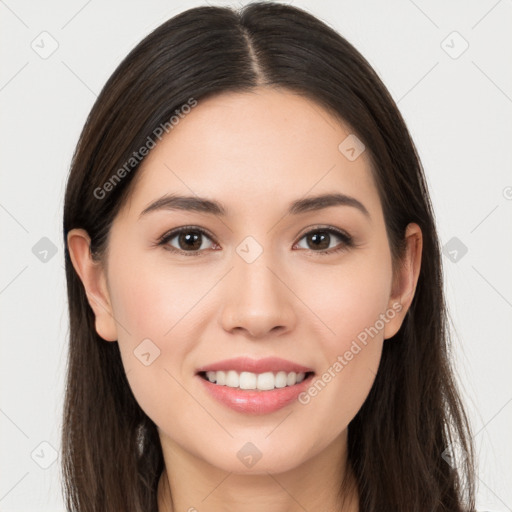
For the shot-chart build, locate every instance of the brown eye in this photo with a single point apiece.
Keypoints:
(189, 240)
(186, 239)
(320, 240)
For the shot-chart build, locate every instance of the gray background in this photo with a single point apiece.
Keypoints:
(457, 102)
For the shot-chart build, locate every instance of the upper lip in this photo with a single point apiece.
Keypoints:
(246, 364)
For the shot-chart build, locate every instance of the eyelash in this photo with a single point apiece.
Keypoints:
(347, 240)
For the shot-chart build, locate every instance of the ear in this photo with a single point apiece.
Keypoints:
(405, 280)
(93, 278)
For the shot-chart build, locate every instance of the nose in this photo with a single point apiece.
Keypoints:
(258, 300)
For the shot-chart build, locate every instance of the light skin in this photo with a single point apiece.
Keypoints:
(255, 153)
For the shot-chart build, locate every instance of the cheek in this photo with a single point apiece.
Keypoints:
(158, 318)
(352, 305)
(350, 300)
(155, 301)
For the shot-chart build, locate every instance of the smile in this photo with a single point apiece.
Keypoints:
(255, 386)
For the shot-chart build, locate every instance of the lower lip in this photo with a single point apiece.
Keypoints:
(256, 402)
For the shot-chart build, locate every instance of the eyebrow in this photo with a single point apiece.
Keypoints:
(203, 205)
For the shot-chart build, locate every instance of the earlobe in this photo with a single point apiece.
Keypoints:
(93, 278)
(405, 280)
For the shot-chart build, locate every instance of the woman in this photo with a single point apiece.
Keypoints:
(257, 318)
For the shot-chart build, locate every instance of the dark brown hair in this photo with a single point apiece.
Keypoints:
(112, 457)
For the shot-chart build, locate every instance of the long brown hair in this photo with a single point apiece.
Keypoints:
(399, 442)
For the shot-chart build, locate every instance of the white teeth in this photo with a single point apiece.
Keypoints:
(281, 379)
(232, 379)
(247, 380)
(266, 381)
(221, 378)
(260, 381)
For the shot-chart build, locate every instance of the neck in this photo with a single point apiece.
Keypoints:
(191, 484)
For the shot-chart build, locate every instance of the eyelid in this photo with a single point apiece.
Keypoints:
(327, 228)
(177, 231)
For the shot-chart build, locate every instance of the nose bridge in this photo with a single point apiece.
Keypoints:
(257, 299)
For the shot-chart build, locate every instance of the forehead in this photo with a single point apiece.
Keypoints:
(245, 148)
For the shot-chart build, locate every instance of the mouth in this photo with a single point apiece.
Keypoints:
(250, 381)
(255, 386)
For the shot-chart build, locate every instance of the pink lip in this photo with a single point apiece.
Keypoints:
(256, 402)
(245, 364)
(250, 401)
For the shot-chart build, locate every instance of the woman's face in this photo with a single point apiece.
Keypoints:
(247, 280)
